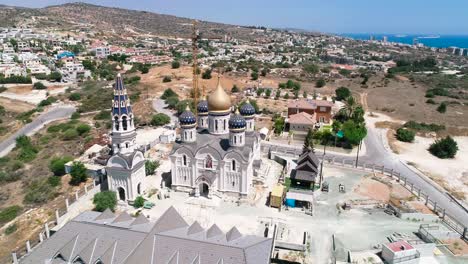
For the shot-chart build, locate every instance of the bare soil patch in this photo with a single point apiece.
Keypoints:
(457, 246)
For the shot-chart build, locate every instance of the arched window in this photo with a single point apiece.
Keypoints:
(126, 145)
(124, 123)
(233, 163)
(240, 138)
(224, 124)
(235, 140)
(184, 158)
(208, 162)
(116, 122)
(216, 125)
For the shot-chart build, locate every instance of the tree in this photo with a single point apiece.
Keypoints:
(320, 83)
(264, 72)
(405, 135)
(267, 93)
(55, 76)
(254, 76)
(105, 200)
(353, 132)
(350, 106)
(175, 64)
(444, 148)
(278, 125)
(442, 108)
(304, 94)
(206, 74)
(308, 142)
(74, 97)
(160, 119)
(78, 173)
(358, 115)
(235, 89)
(39, 86)
(342, 93)
(310, 68)
(83, 129)
(144, 69)
(286, 96)
(139, 202)
(57, 165)
(151, 166)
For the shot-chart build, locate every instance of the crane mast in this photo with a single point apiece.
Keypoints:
(195, 89)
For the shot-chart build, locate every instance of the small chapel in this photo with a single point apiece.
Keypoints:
(218, 151)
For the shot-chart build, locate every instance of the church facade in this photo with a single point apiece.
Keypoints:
(126, 167)
(219, 151)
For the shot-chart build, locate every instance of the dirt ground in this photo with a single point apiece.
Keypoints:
(15, 105)
(457, 246)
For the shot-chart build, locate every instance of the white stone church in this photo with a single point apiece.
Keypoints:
(218, 151)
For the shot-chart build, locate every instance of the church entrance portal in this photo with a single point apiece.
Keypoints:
(204, 189)
(121, 193)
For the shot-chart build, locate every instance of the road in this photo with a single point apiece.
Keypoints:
(53, 114)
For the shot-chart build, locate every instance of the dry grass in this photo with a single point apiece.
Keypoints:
(458, 246)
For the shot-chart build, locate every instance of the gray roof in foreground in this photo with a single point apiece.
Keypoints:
(112, 239)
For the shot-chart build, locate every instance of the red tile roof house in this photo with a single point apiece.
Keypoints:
(400, 252)
(321, 109)
(301, 122)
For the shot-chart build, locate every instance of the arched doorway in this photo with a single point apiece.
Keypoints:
(139, 188)
(121, 193)
(204, 189)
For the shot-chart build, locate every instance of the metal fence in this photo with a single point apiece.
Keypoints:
(370, 167)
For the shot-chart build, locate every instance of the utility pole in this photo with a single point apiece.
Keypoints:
(357, 154)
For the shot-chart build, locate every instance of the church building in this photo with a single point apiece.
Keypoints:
(126, 168)
(219, 151)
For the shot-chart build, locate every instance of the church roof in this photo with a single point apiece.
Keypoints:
(202, 107)
(187, 118)
(121, 103)
(237, 122)
(220, 144)
(247, 109)
(219, 100)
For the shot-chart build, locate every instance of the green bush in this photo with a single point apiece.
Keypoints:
(175, 64)
(83, 129)
(320, 83)
(430, 101)
(423, 126)
(78, 173)
(442, 108)
(444, 148)
(139, 202)
(104, 200)
(168, 93)
(57, 165)
(160, 119)
(27, 151)
(39, 86)
(172, 102)
(9, 213)
(9, 176)
(103, 115)
(75, 115)
(235, 89)
(70, 134)
(16, 165)
(11, 229)
(39, 192)
(206, 74)
(151, 166)
(166, 79)
(54, 181)
(342, 93)
(405, 135)
(74, 96)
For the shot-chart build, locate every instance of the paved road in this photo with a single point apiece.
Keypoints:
(55, 113)
(378, 152)
(160, 107)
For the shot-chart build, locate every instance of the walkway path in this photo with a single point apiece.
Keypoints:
(161, 107)
(55, 113)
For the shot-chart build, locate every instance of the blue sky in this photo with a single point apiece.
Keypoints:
(336, 16)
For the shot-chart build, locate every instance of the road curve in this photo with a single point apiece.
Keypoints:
(55, 113)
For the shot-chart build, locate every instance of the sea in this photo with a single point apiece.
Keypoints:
(436, 41)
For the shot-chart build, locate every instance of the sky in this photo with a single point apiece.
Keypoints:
(332, 16)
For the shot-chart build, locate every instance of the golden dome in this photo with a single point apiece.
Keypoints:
(219, 100)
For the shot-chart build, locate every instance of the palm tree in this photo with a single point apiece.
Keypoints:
(350, 106)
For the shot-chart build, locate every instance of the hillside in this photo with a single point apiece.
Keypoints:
(117, 20)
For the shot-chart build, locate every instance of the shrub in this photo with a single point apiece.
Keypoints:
(235, 89)
(139, 202)
(444, 148)
(175, 64)
(78, 173)
(168, 93)
(430, 101)
(70, 134)
(39, 86)
(206, 74)
(57, 165)
(172, 102)
(160, 119)
(342, 93)
(405, 135)
(16, 165)
(166, 79)
(55, 76)
(104, 200)
(11, 229)
(423, 126)
(83, 129)
(151, 166)
(54, 181)
(75, 115)
(442, 108)
(320, 83)
(9, 213)
(103, 115)
(27, 151)
(39, 192)
(3, 89)
(74, 97)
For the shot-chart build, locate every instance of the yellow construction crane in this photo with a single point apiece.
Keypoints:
(195, 89)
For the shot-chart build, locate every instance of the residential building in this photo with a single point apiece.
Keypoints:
(321, 109)
(400, 252)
